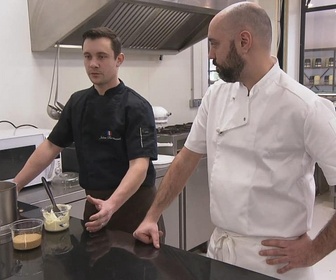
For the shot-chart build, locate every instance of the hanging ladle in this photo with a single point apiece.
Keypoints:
(54, 110)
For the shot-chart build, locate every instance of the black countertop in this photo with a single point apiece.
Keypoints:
(77, 254)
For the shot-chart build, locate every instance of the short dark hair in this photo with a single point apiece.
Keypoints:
(104, 32)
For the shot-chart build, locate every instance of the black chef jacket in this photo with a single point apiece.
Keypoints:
(108, 131)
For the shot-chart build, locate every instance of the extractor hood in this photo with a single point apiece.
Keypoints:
(156, 26)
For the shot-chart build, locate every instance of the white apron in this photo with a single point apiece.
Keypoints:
(243, 251)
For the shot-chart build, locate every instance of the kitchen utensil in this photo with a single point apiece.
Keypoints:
(65, 180)
(26, 233)
(7, 265)
(8, 202)
(56, 223)
(54, 109)
(56, 210)
(8, 209)
(53, 112)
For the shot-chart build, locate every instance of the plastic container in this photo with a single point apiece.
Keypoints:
(59, 221)
(26, 233)
(65, 180)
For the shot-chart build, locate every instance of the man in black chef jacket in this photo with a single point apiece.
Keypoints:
(113, 129)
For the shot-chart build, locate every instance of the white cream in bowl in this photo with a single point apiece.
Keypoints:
(56, 221)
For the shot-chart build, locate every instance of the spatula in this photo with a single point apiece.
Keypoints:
(56, 210)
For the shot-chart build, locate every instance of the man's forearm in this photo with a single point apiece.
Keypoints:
(37, 162)
(325, 241)
(173, 182)
(131, 182)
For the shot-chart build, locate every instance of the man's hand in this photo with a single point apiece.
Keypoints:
(148, 232)
(101, 218)
(292, 253)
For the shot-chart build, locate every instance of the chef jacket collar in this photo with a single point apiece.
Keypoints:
(115, 90)
(266, 80)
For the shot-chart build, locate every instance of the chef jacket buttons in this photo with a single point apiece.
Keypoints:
(219, 132)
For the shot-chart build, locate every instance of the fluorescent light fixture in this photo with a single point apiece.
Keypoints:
(68, 46)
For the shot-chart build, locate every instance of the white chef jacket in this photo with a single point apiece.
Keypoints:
(261, 148)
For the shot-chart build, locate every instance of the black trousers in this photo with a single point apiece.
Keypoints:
(130, 214)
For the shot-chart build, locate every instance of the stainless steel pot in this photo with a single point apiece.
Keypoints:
(7, 264)
(8, 209)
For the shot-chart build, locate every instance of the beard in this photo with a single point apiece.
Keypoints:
(234, 65)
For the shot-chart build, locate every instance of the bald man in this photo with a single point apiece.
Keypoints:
(262, 132)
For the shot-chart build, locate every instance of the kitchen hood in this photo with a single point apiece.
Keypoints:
(154, 26)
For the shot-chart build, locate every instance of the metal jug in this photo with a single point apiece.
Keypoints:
(8, 209)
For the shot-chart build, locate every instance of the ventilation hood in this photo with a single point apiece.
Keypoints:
(157, 26)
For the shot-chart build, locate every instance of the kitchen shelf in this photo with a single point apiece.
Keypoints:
(319, 70)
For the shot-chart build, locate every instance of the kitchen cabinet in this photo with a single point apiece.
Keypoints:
(191, 224)
(187, 219)
(198, 225)
(319, 70)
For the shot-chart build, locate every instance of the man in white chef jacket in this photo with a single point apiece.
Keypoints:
(263, 133)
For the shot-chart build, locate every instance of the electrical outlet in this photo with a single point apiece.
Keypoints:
(193, 103)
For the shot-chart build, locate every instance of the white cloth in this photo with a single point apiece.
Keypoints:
(261, 150)
(243, 251)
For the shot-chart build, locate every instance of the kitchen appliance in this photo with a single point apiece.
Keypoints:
(160, 115)
(154, 26)
(8, 209)
(171, 138)
(15, 149)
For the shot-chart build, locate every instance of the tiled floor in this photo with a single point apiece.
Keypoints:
(324, 269)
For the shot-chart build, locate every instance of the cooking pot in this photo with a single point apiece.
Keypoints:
(8, 209)
(7, 263)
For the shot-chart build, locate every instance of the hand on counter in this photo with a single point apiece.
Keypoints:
(148, 232)
(101, 218)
